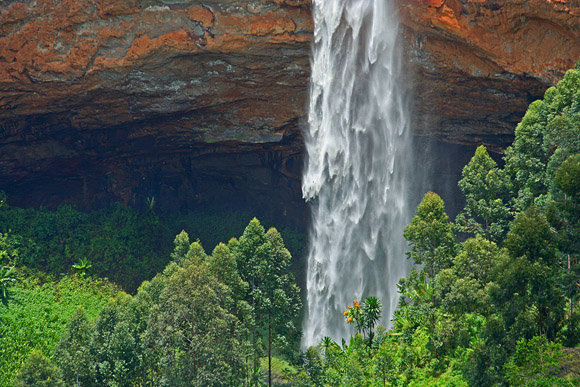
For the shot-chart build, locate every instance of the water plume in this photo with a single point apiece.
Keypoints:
(358, 164)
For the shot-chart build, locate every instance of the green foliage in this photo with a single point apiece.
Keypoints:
(365, 317)
(547, 135)
(531, 236)
(8, 254)
(121, 243)
(72, 354)
(181, 243)
(6, 281)
(202, 340)
(527, 291)
(486, 191)
(430, 235)
(536, 362)
(113, 347)
(37, 314)
(313, 367)
(487, 312)
(118, 242)
(263, 263)
(567, 177)
(527, 284)
(190, 325)
(39, 371)
(82, 266)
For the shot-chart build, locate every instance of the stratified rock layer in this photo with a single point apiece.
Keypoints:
(120, 99)
(479, 63)
(181, 99)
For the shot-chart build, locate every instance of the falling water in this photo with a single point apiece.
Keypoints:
(356, 177)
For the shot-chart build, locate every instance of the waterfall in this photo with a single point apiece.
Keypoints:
(358, 164)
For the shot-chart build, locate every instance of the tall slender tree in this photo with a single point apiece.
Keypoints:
(264, 263)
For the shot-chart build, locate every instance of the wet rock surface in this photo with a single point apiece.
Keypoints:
(198, 102)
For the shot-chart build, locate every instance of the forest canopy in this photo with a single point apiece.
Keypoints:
(493, 301)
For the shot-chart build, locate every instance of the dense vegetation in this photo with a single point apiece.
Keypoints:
(37, 313)
(121, 244)
(493, 301)
(204, 320)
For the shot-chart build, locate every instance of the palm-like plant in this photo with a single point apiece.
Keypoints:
(422, 292)
(365, 317)
(82, 266)
(372, 312)
(257, 377)
(150, 202)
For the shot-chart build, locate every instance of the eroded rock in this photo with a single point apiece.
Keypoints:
(96, 95)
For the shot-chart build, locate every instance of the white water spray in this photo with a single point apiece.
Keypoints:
(357, 165)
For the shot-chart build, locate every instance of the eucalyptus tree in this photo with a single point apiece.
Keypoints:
(39, 371)
(547, 135)
(430, 235)
(72, 352)
(200, 341)
(264, 264)
(487, 194)
(528, 292)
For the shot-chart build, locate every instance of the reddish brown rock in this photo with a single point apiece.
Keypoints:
(93, 95)
(201, 14)
(193, 102)
(477, 64)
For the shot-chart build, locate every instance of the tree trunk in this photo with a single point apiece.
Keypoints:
(570, 299)
(269, 352)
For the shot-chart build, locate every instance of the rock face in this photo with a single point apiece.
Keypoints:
(201, 101)
(479, 63)
(127, 99)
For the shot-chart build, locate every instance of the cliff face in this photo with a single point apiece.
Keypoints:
(479, 63)
(124, 99)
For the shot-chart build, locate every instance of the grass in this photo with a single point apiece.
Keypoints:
(281, 370)
(37, 313)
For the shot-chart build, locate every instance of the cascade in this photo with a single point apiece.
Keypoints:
(359, 168)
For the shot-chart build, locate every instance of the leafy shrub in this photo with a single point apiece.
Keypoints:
(37, 314)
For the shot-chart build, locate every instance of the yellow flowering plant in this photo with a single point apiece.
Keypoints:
(365, 317)
(353, 314)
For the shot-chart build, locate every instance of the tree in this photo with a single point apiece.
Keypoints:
(430, 235)
(72, 352)
(527, 278)
(525, 160)
(565, 218)
(6, 281)
(312, 364)
(201, 342)
(544, 138)
(463, 287)
(222, 264)
(536, 362)
(477, 259)
(567, 177)
(181, 243)
(531, 236)
(263, 262)
(487, 195)
(39, 371)
(184, 252)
